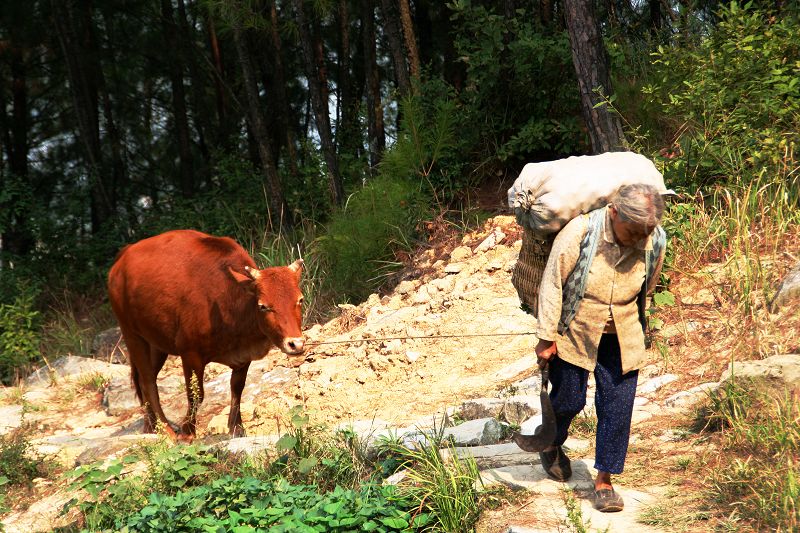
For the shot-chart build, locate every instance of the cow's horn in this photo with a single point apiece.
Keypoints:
(297, 266)
(253, 272)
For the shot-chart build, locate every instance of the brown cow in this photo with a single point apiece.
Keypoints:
(200, 297)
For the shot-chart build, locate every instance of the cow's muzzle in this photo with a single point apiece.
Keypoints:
(293, 345)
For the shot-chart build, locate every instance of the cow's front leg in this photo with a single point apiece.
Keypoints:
(238, 377)
(193, 371)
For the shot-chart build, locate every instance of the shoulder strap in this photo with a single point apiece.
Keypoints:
(659, 241)
(575, 286)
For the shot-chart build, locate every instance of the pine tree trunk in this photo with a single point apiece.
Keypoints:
(284, 109)
(390, 24)
(410, 39)
(376, 137)
(176, 68)
(317, 84)
(278, 213)
(592, 69)
(83, 88)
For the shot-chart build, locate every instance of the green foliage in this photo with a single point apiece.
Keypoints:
(733, 99)
(760, 476)
(307, 454)
(242, 504)
(18, 463)
(446, 487)
(19, 335)
(359, 249)
(521, 99)
(429, 147)
(660, 299)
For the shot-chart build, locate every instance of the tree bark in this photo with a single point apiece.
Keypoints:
(80, 60)
(410, 39)
(376, 136)
(284, 108)
(396, 47)
(592, 69)
(176, 68)
(318, 88)
(279, 215)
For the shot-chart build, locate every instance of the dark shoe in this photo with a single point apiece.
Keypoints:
(556, 464)
(608, 501)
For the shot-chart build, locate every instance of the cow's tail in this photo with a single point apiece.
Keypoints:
(135, 382)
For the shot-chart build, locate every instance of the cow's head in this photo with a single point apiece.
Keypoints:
(279, 303)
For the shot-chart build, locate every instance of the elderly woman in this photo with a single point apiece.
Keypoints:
(606, 333)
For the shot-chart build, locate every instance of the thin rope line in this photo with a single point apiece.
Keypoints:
(422, 337)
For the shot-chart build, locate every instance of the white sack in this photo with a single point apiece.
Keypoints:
(547, 195)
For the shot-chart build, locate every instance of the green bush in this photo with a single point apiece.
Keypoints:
(242, 504)
(19, 335)
(359, 249)
(758, 483)
(18, 464)
(732, 100)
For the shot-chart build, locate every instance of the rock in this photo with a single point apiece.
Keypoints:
(454, 268)
(412, 356)
(247, 445)
(492, 266)
(405, 287)
(788, 290)
(700, 297)
(656, 383)
(517, 409)
(491, 241)
(782, 370)
(481, 408)
(109, 346)
(524, 364)
(422, 296)
(10, 418)
(476, 432)
(689, 397)
(71, 367)
(119, 397)
(460, 254)
(443, 284)
(493, 455)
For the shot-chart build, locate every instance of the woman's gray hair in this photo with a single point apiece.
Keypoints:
(639, 204)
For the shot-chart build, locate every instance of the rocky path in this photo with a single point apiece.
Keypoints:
(395, 363)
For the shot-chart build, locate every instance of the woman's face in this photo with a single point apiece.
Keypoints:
(628, 233)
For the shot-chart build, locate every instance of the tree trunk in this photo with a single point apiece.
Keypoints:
(284, 108)
(592, 70)
(17, 237)
(225, 134)
(82, 64)
(176, 67)
(396, 47)
(319, 102)
(410, 39)
(376, 137)
(279, 215)
(199, 109)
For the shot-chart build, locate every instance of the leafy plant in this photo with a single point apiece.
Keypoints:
(444, 487)
(760, 435)
(359, 249)
(242, 504)
(19, 335)
(18, 463)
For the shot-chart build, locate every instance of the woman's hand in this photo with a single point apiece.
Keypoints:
(545, 351)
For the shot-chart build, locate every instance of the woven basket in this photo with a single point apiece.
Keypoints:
(527, 275)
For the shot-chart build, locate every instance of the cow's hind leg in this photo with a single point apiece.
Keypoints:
(238, 377)
(145, 365)
(193, 371)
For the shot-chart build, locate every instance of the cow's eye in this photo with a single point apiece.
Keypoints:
(300, 301)
(264, 308)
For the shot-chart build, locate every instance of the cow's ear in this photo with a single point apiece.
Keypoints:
(297, 267)
(246, 281)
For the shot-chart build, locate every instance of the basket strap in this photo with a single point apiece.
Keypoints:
(575, 286)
